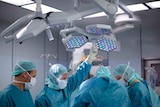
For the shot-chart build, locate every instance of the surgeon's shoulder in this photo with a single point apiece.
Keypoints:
(42, 93)
(6, 92)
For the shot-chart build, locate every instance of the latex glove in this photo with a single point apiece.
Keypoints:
(92, 54)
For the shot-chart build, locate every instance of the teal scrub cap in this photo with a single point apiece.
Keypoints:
(124, 70)
(103, 72)
(22, 66)
(55, 71)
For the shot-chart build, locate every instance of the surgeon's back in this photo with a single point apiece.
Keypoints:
(102, 92)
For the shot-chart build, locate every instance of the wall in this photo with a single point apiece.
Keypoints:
(5, 60)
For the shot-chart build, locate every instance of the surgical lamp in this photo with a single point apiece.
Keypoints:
(77, 37)
(31, 30)
(74, 40)
(107, 43)
(125, 21)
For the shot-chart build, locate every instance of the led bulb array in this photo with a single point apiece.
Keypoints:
(76, 42)
(106, 44)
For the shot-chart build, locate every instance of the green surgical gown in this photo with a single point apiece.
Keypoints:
(12, 96)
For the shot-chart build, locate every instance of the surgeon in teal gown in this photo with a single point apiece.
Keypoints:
(140, 93)
(17, 93)
(101, 91)
(59, 87)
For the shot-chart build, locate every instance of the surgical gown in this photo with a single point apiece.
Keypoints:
(11, 96)
(101, 92)
(139, 95)
(61, 98)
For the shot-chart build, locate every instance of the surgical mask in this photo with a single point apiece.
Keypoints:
(62, 83)
(29, 85)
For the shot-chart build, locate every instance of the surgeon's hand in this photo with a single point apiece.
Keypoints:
(92, 54)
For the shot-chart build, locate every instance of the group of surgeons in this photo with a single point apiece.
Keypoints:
(99, 91)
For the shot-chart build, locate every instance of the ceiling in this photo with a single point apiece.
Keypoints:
(10, 13)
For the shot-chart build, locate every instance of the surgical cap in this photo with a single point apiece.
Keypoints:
(103, 72)
(23, 66)
(56, 71)
(121, 68)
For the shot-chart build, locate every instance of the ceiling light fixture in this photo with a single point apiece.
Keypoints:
(137, 7)
(18, 2)
(45, 8)
(153, 5)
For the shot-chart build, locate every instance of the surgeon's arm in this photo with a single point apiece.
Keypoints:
(6, 101)
(81, 100)
(82, 70)
(41, 102)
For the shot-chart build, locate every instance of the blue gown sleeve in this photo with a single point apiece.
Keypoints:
(81, 100)
(38, 103)
(42, 102)
(81, 73)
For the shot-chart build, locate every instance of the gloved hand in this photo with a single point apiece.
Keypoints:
(93, 52)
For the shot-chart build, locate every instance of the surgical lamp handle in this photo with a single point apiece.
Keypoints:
(94, 43)
(49, 34)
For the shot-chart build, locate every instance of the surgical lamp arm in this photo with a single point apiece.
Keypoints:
(49, 34)
(109, 8)
(125, 9)
(73, 29)
(18, 23)
(90, 12)
(69, 16)
(38, 8)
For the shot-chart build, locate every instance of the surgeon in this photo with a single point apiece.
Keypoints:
(137, 87)
(59, 86)
(102, 91)
(17, 93)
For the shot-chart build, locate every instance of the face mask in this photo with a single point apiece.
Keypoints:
(29, 85)
(62, 83)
